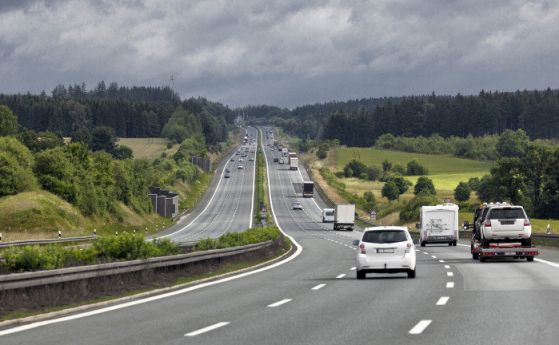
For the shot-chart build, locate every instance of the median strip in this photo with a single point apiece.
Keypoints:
(420, 327)
(206, 329)
(278, 303)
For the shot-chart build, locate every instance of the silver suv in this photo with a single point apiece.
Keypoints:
(504, 222)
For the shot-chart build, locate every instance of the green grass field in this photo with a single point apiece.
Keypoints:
(148, 148)
(446, 171)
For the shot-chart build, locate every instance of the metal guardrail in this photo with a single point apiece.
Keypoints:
(30, 279)
(49, 241)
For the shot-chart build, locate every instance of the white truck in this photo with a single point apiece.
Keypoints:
(294, 164)
(328, 215)
(439, 224)
(344, 218)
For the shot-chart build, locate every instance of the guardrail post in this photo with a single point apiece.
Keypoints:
(95, 232)
(59, 234)
(0, 237)
(116, 233)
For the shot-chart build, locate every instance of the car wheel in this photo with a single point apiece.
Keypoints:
(360, 275)
(530, 258)
(411, 274)
(454, 244)
(422, 243)
(450, 244)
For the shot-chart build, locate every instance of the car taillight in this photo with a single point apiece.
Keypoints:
(487, 223)
(526, 222)
(408, 247)
(362, 249)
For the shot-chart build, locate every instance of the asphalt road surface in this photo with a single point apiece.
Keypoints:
(228, 204)
(315, 298)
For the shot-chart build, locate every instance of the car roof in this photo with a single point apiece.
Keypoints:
(387, 227)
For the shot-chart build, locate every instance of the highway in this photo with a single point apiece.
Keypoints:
(315, 299)
(228, 204)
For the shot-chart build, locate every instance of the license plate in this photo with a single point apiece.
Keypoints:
(385, 250)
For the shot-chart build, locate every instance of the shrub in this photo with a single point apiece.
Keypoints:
(410, 211)
(424, 185)
(414, 168)
(390, 191)
(235, 239)
(354, 168)
(462, 192)
(373, 173)
(399, 169)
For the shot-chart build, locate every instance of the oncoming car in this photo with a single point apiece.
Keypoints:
(385, 249)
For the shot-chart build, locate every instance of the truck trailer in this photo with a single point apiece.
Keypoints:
(439, 224)
(344, 218)
(294, 163)
(308, 189)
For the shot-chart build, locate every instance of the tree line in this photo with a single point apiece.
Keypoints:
(129, 111)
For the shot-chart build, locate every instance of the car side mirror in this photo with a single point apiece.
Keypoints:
(355, 243)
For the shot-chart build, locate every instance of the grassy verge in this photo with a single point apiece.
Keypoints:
(261, 195)
(149, 148)
(234, 239)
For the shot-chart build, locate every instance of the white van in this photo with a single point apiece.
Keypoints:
(439, 224)
(328, 215)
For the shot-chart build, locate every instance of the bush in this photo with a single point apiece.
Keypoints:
(130, 247)
(424, 185)
(373, 173)
(410, 212)
(462, 192)
(414, 169)
(235, 239)
(474, 183)
(390, 191)
(354, 169)
(321, 154)
(399, 169)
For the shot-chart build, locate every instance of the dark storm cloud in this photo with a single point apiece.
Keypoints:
(285, 52)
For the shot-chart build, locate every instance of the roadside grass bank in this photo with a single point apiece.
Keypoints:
(149, 148)
(140, 284)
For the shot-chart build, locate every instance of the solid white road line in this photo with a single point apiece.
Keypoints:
(443, 300)
(253, 181)
(318, 287)
(447, 267)
(420, 327)
(278, 303)
(353, 268)
(206, 329)
(433, 256)
(449, 285)
(550, 263)
(449, 274)
(340, 276)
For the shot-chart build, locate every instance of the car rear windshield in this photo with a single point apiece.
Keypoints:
(506, 213)
(385, 236)
(329, 213)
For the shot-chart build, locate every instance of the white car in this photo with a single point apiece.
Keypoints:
(296, 205)
(504, 221)
(239, 167)
(385, 249)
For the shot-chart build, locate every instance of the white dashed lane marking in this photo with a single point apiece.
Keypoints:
(340, 276)
(420, 327)
(278, 303)
(449, 285)
(318, 287)
(443, 300)
(207, 329)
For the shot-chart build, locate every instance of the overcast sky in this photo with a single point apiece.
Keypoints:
(284, 53)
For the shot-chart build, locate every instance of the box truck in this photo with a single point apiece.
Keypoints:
(344, 218)
(294, 163)
(308, 189)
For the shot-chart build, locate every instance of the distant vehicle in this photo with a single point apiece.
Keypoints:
(328, 215)
(293, 163)
(240, 159)
(227, 170)
(232, 159)
(272, 149)
(237, 153)
(227, 175)
(281, 160)
(344, 217)
(251, 159)
(276, 160)
(239, 167)
(308, 189)
(296, 205)
(438, 224)
(385, 249)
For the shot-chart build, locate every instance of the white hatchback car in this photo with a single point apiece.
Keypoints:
(385, 249)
